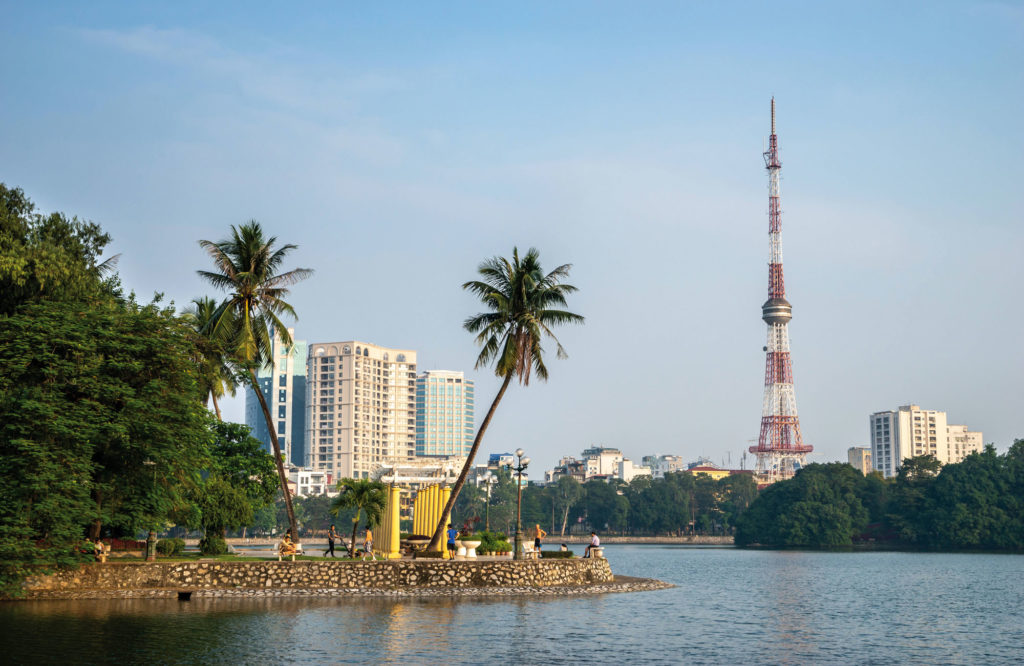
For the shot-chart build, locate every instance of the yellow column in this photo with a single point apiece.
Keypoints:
(445, 494)
(435, 513)
(394, 516)
(416, 514)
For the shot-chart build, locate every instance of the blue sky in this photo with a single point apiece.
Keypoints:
(400, 145)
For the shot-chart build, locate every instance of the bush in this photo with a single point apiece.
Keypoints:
(557, 554)
(170, 547)
(213, 544)
(502, 547)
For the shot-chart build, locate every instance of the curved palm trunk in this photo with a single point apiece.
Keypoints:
(352, 543)
(277, 456)
(435, 540)
(216, 407)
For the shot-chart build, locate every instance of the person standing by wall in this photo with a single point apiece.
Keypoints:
(332, 536)
(368, 542)
(453, 534)
(538, 536)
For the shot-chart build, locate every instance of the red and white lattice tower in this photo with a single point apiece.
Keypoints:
(780, 449)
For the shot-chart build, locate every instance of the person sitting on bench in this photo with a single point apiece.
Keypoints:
(287, 546)
(594, 543)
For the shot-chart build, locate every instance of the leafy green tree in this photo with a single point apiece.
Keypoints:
(239, 472)
(248, 268)
(567, 492)
(216, 376)
(360, 495)
(908, 500)
(819, 507)
(49, 257)
(222, 506)
(523, 304)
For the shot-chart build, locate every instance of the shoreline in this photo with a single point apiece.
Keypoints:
(549, 542)
(621, 584)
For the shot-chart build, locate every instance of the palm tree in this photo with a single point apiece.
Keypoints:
(247, 268)
(520, 299)
(215, 373)
(361, 495)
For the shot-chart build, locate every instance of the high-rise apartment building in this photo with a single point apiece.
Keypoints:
(911, 431)
(860, 459)
(361, 407)
(283, 383)
(444, 414)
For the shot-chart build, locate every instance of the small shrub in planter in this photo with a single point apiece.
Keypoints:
(170, 547)
(557, 554)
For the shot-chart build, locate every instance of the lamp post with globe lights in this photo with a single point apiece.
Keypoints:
(490, 480)
(517, 552)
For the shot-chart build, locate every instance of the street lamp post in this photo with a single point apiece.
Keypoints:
(517, 553)
(490, 480)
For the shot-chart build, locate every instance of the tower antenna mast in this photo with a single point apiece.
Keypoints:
(780, 449)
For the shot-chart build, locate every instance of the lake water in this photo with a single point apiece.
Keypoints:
(730, 606)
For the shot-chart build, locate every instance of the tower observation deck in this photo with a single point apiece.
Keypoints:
(780, 449)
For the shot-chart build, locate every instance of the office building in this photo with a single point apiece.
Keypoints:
(910, 431)
(361, 407)
(444, 414)
(283, 383)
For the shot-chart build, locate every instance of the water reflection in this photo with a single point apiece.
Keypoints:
(730, 606)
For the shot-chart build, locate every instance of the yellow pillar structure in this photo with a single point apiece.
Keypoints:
(444, 518)
(434, 511)
(416, 513)
(392, 525)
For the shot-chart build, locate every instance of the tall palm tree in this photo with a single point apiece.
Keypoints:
(248, 268)
(361, 495)
(523, 304)
(215, 373)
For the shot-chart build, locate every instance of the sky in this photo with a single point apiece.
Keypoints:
(400, 144)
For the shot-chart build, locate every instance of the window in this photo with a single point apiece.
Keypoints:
(281, 410)
(280, 427)
(282, 380)
(282, 396)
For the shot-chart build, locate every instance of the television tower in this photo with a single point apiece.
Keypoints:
(780, 449)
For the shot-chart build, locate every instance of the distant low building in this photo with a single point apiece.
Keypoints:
(627, 471)
(860, 458)
(309, 482)
(661, 465)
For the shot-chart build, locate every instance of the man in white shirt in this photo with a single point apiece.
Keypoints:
(594, 543)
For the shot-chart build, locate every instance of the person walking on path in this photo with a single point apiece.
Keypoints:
(594, 543)
(453, 534)
(332, 536)
(538, 535)
(368, 543)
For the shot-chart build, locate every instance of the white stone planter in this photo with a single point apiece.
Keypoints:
(469, 546)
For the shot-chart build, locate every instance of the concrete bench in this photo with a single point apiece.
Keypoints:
(298, 551)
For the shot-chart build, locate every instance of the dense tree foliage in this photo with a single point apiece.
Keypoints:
(102, 427)
(679, 503)
(974, 504)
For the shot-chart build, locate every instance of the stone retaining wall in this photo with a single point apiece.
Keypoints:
(122, 579)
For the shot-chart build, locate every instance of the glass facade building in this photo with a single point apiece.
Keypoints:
(283, 384)
(444, 414)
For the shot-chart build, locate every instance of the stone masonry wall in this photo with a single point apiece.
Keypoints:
(321, 575)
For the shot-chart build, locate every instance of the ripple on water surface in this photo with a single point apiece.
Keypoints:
(730, 606)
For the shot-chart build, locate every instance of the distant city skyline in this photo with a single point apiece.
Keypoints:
(399, 147)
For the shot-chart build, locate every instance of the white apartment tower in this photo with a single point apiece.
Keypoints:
(911, 431)
(361, 407)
